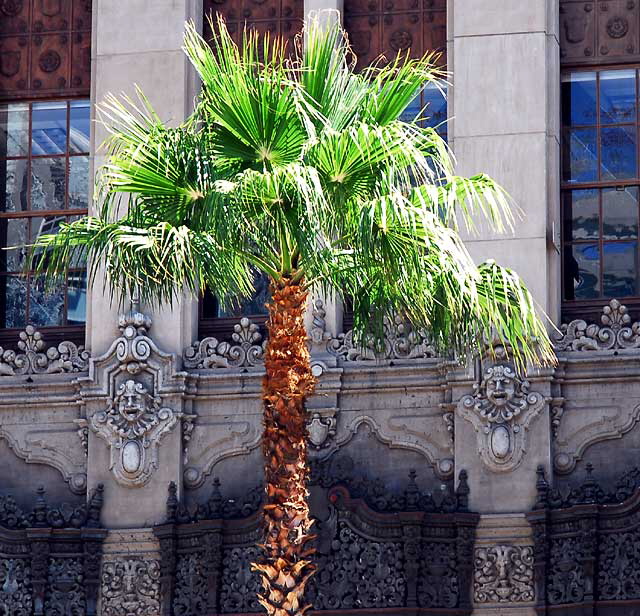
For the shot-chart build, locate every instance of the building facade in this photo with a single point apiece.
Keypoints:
(130, 463)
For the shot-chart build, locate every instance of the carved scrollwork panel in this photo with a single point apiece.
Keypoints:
(240, 585)
(503, 574)
(15, 587)
(191, 586)
(438, 581)
(566, 578)
(65, 593)
(131, 586)
(359, 573)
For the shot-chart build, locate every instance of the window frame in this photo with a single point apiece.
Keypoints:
(53, 334)
(591, 309)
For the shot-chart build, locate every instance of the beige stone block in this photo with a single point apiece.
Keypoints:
(505, 158)
(161, 76)
(140, 25)
(500, 84)
(476, 17)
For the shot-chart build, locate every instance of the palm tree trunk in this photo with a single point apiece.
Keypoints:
(287, 383)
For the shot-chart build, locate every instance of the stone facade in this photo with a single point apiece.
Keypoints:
(435, 485)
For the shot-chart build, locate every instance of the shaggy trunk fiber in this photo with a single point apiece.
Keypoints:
(287, 383)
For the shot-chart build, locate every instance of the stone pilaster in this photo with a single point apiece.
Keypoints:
(126, 52)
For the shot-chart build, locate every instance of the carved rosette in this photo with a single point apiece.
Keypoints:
(503, 574)
(501, 411)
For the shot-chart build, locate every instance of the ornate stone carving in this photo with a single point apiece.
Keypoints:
(49, 61)
(582, 427)
(133, 425)
(65, 592)
(617, 27)
(318, 333)
(321, 427)
(614, 332)
(438, 584)
(83, 434)
(557, 411)
(15, 588)
(501, 411)
(131, 586)
(240, 585)
(503, 574)
(191, 586)
(32, 358)
(377, 567)
(42, 515)
(245, 350)
(135, 420)
(11, 8)
(401, 341)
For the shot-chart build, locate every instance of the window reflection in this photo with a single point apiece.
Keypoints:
(44, 170)
(600, 198)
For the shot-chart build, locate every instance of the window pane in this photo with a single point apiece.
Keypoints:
(13, 232)
(49, 128)
(48, 183)
(620, 213)
(579, 99)
(46, 304)
(77, 298)
(45, 225)
(14, 129)
(13, 175)
(581, 215)
(79, 182)
(79, 127)
(619, 269)
(617, 97)
(618, 152)
(436, 107)
(580, 155)
(13, 301)
(254, 305)
(583, 267)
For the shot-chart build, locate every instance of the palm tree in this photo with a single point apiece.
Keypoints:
(296, 167)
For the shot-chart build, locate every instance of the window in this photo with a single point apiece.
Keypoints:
(44, 158)
(600, 183)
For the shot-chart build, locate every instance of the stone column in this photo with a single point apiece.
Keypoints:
(142, 45)
(504, 60)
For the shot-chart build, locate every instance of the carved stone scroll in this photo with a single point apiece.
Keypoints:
(503, 574)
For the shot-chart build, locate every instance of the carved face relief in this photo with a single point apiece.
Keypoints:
(501, 410)
(503, 573)
(132, 426)
(500, 385)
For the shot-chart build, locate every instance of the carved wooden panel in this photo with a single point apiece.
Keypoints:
(283, 17)
(385, 27)
(600, 32)
(45, 48)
